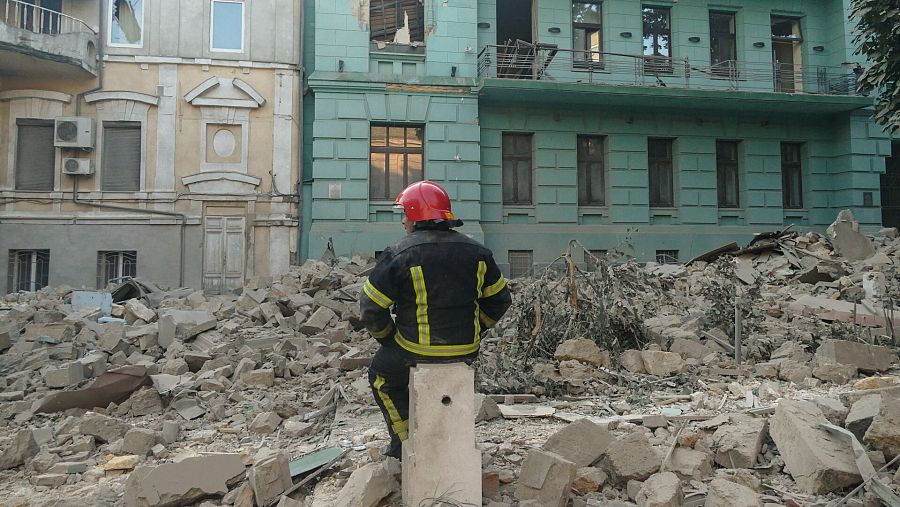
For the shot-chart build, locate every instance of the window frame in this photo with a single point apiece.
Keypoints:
(591, 200)
(212, 26)
(662, 255)
(124, 258)
(722, 165)
(786, 169)
(670, 160)
(109, 24)
(509, 259)
(715, 35)
(517, 201)
(420, 27)
(34, 122)
(582, 63)
(589, 261)
(121, 124)
(387, 150)
(12, 281)
(653, 63)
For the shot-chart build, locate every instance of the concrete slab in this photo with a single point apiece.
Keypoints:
(441, 436)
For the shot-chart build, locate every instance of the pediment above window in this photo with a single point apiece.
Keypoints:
(225, 92)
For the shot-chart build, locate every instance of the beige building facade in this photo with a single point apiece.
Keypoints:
(152, 139)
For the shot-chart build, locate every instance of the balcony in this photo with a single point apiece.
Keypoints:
(37, 42)
(511, 73)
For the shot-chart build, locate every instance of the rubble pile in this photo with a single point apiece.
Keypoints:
(615, 386)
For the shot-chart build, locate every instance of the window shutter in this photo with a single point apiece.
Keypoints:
(35, 156)
(121, 157)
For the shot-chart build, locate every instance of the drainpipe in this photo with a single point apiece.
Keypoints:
(180, 216)
(101, 46)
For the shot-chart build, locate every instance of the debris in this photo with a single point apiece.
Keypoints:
(661, 364)
(630, 457)
(723, 492)
(866, 358)
(884, 432)
(516, 411)
(861, 414)
(737, 444)
(265, 423)
(545, 478)
(114, 386)
(486, 408)
(184, 482)
(661, 490)
(270, 478)
(122, 463)
(588, 480)
(19, 450)
(848, 241)
(581, 442)
(585, 351)
(103, 428)
(367, 486)
(818, 462)
(690, 463)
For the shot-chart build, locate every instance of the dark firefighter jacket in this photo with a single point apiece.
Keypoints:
(445, 289)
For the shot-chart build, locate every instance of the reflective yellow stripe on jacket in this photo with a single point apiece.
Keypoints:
(377, 296)
(418, 280)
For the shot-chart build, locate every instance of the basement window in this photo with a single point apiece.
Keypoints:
(592, 259)
(29, 270)
(520, 263)
(667, 256)
(126, 23)
(113, 266)
(397, 21)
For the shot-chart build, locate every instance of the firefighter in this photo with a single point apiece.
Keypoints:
(445, 289)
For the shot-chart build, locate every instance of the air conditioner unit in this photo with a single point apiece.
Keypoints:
(74, 132)
(78, 166)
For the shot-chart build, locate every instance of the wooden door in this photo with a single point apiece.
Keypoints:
(223, 254)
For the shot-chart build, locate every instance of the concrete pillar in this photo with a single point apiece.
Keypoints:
(440, 459)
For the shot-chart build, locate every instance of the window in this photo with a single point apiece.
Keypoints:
(520, 263)
(722, 43)
(786, 55)
(111, 266)
(727, 176)
(35, 155)
(659, 158)
(121, 157)
(592, 258)
(29, 270)
(401, 21)
(657, 39)
(126, 23)
(667, 256)
(517, 168)
(587, 38)
(395, 159)
(791, 175)
(591, 178)
(226, 31)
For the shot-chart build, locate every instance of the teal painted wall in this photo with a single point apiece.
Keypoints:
(353, 82)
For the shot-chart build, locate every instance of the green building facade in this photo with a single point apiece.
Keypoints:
(661, 129)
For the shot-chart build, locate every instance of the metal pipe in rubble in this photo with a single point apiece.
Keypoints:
(181, 216)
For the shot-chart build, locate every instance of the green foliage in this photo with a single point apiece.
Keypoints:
(878, 38)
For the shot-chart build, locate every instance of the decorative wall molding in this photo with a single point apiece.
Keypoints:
(225, 92)
(152, 100)
(36, 94)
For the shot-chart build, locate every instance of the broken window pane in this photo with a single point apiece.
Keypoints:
(722, 45)
(227, 25)
(400, 21)
(126, 24)
(396, 159)
(586, 31)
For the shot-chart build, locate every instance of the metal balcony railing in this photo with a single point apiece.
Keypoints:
(39, 20)
(547, 62)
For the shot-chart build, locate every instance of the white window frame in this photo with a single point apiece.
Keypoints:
(212, 25)
(109, 25)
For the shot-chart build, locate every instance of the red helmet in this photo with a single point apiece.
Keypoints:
(425, 200)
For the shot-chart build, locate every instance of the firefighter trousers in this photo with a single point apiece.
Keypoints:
(389, 379)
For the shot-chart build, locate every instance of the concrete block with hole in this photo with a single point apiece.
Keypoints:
(441, 437)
